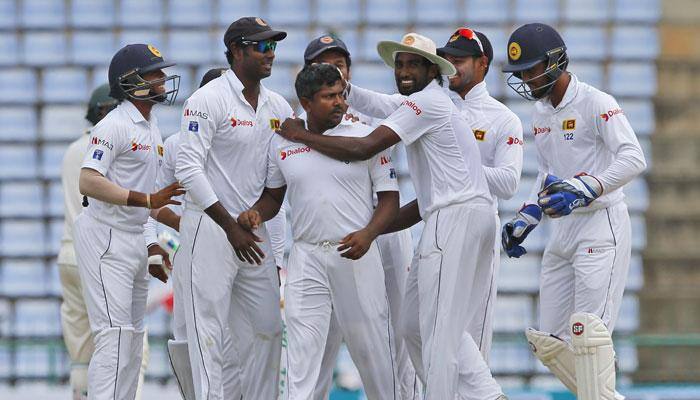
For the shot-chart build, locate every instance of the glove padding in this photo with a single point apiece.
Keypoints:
(516, 230)
(561, 197)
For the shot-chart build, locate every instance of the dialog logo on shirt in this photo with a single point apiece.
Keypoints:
(97, 155)
(412, 106)
(275, 124)
(479, 134)
(288, 153)
(195, 113)
(514, 140)
(384, 160)
(240, 122)
(101, 142)
(568, 124)
(140, 147)
(606, 116)
(538, 130)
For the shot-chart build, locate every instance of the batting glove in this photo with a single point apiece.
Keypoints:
(561, 197)
(516, 230)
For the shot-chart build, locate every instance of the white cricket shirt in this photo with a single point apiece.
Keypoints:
(328, 199)
(223, 156)
(128, 150)
(587, 132)
(443, 157)
(499, 134)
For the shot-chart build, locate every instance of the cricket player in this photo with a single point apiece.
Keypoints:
(395, 248)
(74, 319)
(499, 134)
(237, 341)
(334, 267)
(587, 151)
(118, 175)
(453, 200)
(222, 162)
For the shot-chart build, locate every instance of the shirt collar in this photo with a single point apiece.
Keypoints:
(130, 109)
(479, 91)
(237, 86)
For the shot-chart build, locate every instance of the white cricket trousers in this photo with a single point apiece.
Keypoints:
(455, 249)
(584, 268)
(396, 250)
(322, 285)
(113, 269)
(224, 293)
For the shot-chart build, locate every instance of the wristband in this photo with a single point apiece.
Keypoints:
(148, 201)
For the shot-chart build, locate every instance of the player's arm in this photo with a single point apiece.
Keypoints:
(94, 184)
(198, 133)
(407, 216)
(619, 137)
(371, 103)
(504, 176)
(266, 208)
(340, 147)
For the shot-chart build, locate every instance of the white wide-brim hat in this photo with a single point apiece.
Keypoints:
(415, 44)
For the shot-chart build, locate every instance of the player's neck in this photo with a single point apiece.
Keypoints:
(251, 87)
(144, 108)
(559, 89)
(314, 126)
(469, 87)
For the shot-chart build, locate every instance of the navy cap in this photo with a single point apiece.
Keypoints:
(529, 45)
(465, 42)
(322, 44)
(211, 75)
(253, 29)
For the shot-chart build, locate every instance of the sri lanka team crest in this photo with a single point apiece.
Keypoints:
(514, 51)
(275, 124)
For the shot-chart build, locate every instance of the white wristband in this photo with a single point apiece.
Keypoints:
(155, 260)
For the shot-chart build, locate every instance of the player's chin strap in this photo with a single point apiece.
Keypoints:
(562, 360)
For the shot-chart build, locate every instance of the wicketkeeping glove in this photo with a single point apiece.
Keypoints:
(561, 197)
(516, 230)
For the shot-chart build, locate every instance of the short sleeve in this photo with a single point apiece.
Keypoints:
(275, 179)
(416, 115)
(106, 143)
(383, 173)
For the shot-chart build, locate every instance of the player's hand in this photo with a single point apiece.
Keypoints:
(158, 271)
(356, 244)
(164, 196)
(561, 197)
(245, 244)
(516, 230)
(250, 219)
(292, 129)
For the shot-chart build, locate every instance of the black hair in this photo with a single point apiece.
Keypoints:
(314, 77)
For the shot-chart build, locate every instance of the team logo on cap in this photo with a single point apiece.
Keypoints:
(326, 40)
(514, 51)
(154, 51)
(260, 21)
(453, 38)
(409, 40)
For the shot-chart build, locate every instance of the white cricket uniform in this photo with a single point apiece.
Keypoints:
(396, 250)
(456, 244)
(499, 134)
(224, 158)
(329, 199)
(243, 331)
(586, 261)
(111, 250)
